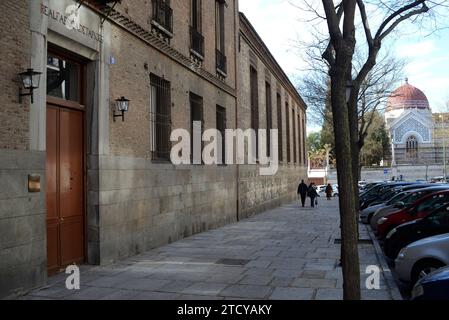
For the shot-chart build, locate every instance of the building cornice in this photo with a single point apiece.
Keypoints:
(258, 46)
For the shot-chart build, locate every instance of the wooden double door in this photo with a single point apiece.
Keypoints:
(64, 187)
(65, 159)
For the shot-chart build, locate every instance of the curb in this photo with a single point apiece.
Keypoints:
(390, 281)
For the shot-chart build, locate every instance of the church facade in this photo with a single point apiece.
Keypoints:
(418, 136)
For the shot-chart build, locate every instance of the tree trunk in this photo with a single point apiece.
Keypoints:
(349, 225)
(355, 143)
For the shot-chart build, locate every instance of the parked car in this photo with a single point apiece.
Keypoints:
(390, 193)
(406, 202)
(366, 214)
(420, 209)
(435, 286)
(335, 188)
(378, 191)
(434, 224)
(422, 257)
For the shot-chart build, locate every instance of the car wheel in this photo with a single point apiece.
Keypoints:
(336, 195)
(423, 268)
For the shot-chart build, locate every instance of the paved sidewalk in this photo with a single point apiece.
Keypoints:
(285, 253)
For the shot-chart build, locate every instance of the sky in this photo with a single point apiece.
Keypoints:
(280, 24)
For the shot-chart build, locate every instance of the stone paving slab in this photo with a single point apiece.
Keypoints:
(289, 253)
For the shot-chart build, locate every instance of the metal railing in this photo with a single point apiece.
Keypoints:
(196, 41)
(221, 61)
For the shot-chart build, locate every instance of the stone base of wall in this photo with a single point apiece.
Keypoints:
(260, 193)
(143, 205)
(23, 250)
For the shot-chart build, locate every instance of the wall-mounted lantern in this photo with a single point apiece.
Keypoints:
(121, 106)
(30, 81)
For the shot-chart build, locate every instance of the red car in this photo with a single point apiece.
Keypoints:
(418, 210)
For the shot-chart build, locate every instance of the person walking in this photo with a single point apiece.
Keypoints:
(311, 192)
(302, 192)
(329, 191)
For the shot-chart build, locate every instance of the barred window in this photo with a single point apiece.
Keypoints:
(221, 127)
(304, 134)
(196, 114)
(220, 56)
(280, 127)
(287, 123)
(269, 116)
(412, 147)
(160, 117)
(300, 131)
(254, 105)
(295, 138)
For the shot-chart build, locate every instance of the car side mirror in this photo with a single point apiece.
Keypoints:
(399, 205)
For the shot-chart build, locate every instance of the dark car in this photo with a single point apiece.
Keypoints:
(391, 193)
(437, 222)
(433, 287)
(375, 193)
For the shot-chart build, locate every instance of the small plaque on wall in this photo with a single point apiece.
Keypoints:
(34, 183)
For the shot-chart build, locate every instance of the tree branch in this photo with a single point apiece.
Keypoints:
(362, 9)
(381, 34)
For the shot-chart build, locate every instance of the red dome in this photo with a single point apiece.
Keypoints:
(407, 97)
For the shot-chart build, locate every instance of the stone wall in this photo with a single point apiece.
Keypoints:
(23, 262)
(144, 205)
(261, 193)
(22, 214)
(258, 193)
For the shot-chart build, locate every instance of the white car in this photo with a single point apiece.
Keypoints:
(422, 257)
(322, 191)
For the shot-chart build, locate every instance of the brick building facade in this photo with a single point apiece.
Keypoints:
(119, 195)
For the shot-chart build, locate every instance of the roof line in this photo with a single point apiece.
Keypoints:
(271, 58)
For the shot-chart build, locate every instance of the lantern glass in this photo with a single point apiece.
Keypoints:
(26, 81)
(122, 104)
(30, 79)
(36, 77)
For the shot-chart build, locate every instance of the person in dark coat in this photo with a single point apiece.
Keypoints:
(329, 191)
(311, 192)
(302, 191)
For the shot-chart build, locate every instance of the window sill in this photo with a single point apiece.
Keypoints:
(162, 29)
(196, 54)
(222, 73)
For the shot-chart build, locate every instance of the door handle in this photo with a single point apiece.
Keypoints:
(62, 219)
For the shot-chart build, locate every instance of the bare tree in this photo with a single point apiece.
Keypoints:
(343, 18)
(374, 90)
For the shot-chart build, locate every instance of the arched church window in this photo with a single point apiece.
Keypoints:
(412, 147)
